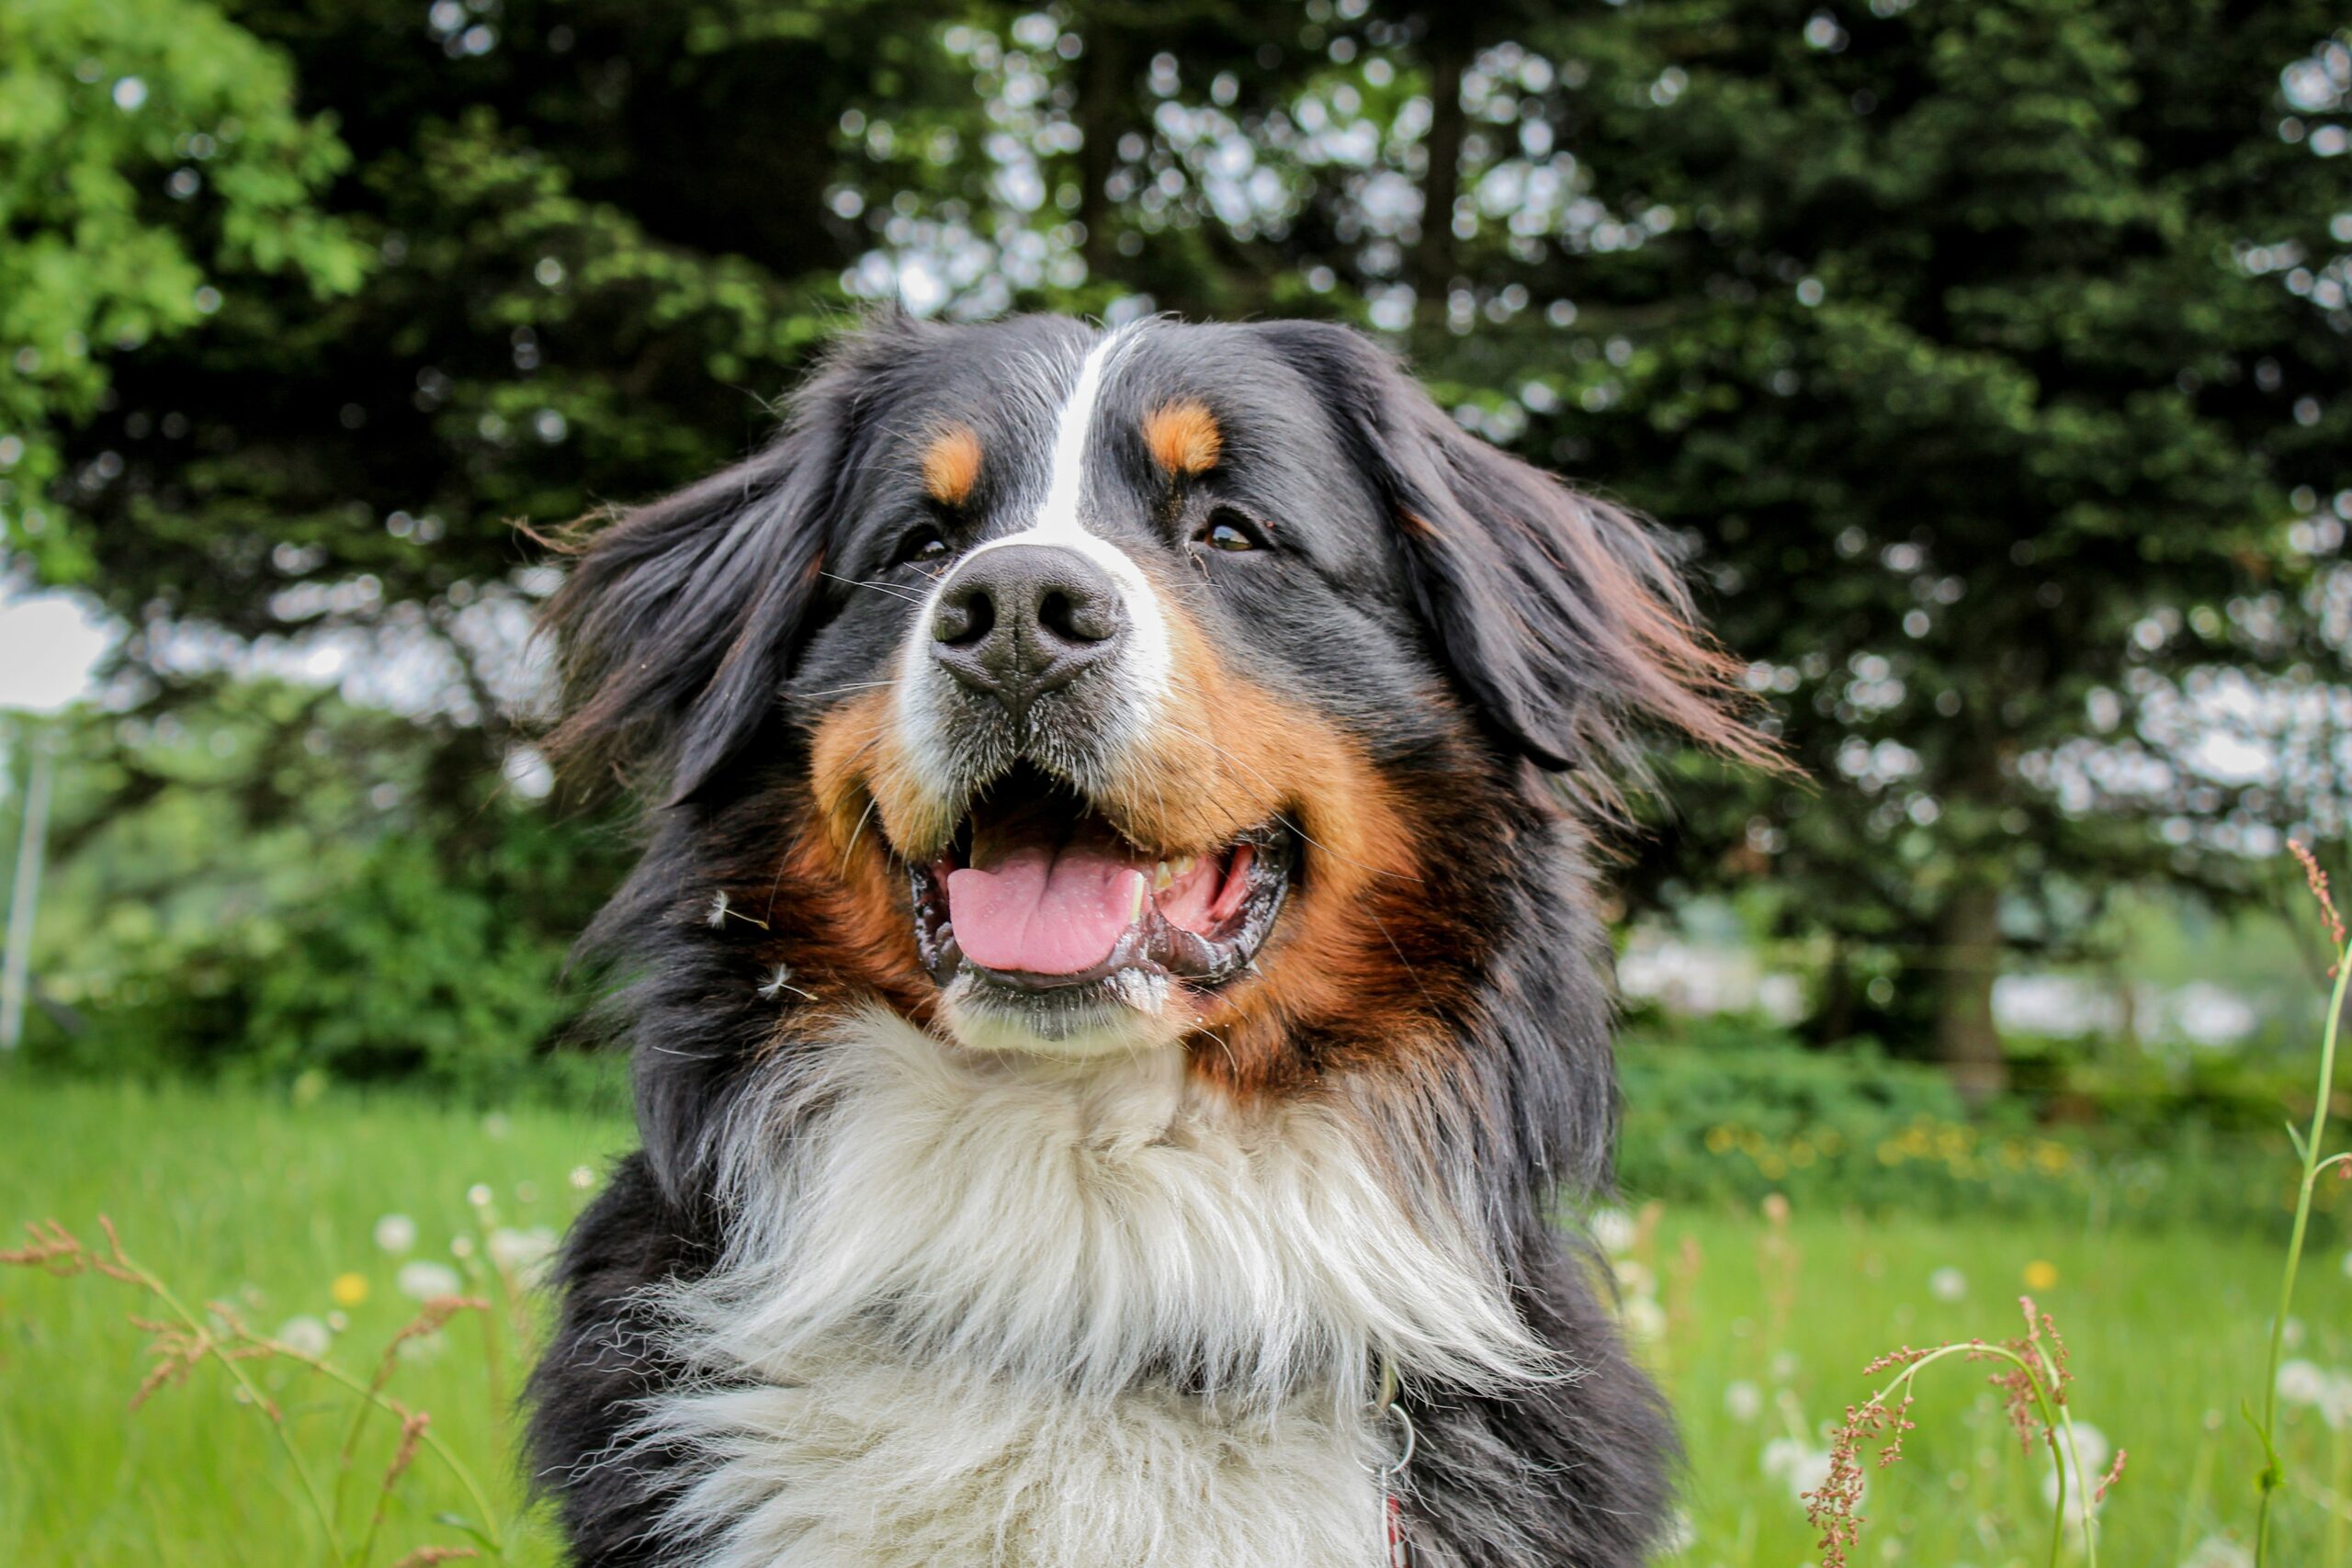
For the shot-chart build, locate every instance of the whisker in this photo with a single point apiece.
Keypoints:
(892, 588)
(853, 686)
(855, 832)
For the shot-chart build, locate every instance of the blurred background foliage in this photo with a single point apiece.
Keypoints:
(1993, 361)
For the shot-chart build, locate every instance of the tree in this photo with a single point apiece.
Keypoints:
(1998, 358)
(1992, 360)
(150, 152)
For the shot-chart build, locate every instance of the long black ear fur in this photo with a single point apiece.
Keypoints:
(681, 617)
(1563, 617)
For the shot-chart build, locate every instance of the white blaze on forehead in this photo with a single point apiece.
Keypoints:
(1057, 516)
(1066, 484)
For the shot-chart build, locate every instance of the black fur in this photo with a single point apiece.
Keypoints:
(1422, 560)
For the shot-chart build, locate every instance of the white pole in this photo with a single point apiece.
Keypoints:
(15, 971)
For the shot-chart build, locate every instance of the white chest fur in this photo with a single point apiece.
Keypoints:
(951, 1301)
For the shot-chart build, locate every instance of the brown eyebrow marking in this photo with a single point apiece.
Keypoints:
(1184, 438)
(951, 465)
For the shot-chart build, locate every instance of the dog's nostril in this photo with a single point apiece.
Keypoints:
(966, 618)
(1074, 619)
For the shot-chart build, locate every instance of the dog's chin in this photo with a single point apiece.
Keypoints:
(1124, 1016)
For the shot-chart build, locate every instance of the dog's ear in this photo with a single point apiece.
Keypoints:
(1564, 618)
(679, 618)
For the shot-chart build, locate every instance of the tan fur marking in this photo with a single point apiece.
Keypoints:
(859, 769)
(1184, 438)
(951, 465)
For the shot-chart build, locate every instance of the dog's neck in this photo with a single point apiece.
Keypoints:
(1090, 1225)
(1084, 1303)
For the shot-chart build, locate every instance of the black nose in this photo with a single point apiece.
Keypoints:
(1021, 620)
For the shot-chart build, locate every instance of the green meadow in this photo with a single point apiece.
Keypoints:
(282, 1212)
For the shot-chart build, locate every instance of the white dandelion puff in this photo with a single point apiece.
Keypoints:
(1743, 1400)
(305, 1335)
(780, 982)
(2302, 1381)
(396, 1233)
(523, 1253)
(2084, 1462)
(1948, 1284)
(1643, 1320)
(421, 1280)
(717, 916)
(2218, 1552)
(1796, 1464)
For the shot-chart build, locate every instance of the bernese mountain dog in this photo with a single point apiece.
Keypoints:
(1119, 1011)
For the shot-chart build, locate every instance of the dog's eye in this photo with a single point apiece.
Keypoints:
(921, 545)
(1227, 530)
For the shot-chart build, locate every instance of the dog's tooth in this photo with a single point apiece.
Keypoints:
(1143, 891)
(1161, 880)
(1184, 866)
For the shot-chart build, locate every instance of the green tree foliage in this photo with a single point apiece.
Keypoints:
(1997, 357)
(1992, 359)
(150, 155)
(259, 876)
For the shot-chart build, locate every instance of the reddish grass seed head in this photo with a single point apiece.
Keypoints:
(2317, 878)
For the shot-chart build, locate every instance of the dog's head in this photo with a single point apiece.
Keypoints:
(1074, 691)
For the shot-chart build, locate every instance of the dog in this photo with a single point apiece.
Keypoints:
(1118, 1000)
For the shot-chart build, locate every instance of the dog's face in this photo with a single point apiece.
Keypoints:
(1102, 691)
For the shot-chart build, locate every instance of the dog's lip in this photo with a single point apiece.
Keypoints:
(1152, 945)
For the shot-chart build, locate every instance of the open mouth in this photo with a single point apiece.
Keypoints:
(1037, 892)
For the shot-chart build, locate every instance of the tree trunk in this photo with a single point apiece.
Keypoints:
(1833, 1021)
(1968, 939)
(1102, 97)
(1449, 48)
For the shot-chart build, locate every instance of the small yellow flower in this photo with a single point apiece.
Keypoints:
(2040, 1274)
(350, 1289)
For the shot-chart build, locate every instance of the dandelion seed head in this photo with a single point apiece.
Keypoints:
(1948, 1284)
(2302, 1382)
(717, 916)
(396, 1233)
(1743, 1401)
(583, 1179)
(307, 1335)
(1643, 1320)
(479, 1194)
(1795, 1464)
(524, 1253)
(421, 1280)
(2218, 1552)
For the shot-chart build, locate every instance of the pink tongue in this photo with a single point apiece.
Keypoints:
(1045, 911)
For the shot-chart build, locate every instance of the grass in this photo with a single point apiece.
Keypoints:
(1760, 1328)
(264, 1203)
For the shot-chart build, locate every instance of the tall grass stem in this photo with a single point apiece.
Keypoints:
(2273, 1477)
